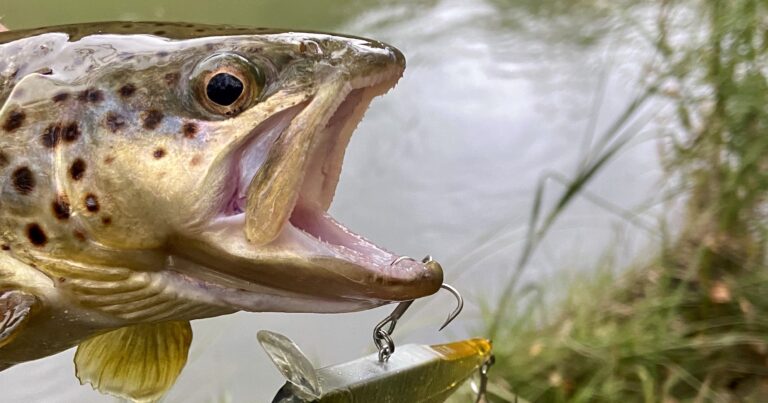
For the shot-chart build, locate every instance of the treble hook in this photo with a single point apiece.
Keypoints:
(481, 390)
(382, 337)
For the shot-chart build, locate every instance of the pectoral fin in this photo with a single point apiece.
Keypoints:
(15, 309)
(139, 362)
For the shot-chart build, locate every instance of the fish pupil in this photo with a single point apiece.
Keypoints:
(224, 89)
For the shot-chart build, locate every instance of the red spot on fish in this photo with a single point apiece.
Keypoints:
(152, 119)
(79, 235)
(189, 129)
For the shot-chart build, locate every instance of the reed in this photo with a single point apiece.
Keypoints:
(688, 324)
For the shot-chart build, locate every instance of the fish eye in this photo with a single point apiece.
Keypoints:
(227, 84)
(224, 89)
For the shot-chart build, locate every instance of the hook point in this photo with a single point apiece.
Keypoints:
(459, 307)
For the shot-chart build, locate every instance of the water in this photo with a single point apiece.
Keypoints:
(496, 95)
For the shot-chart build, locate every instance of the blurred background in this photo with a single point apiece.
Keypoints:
(557, 158)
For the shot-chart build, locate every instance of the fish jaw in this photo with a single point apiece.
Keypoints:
(277, 239)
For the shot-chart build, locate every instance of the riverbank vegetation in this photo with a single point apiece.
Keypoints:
(688, 323)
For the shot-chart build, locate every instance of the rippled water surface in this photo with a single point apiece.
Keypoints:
(496, 95)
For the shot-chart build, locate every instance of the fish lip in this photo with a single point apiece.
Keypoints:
(315, 258)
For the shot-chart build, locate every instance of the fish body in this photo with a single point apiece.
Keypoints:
(414, 373)
(156, 173)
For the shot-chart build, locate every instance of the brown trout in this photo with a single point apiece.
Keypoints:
(156, 173)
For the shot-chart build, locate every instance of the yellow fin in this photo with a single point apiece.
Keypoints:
(15, 308)
(139, 362)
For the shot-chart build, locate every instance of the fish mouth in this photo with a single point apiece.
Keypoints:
(273, 235)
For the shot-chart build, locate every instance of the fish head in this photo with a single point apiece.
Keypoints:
(214, 159)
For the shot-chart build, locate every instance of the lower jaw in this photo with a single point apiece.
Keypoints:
(206, 286)
(298, 272)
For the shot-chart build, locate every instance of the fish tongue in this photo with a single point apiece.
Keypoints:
(273, 191)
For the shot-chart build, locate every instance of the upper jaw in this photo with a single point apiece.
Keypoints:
(283, 243)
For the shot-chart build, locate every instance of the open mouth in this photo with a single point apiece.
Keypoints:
(309, 223)
(310, 254)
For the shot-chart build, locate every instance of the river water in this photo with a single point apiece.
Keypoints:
(496, 95)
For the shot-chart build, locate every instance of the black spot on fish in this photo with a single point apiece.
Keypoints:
(91, 95)
(5, 246)
(127, 26)
(51, 135)
(23, 180)
(14, 120)
(71, 132)
(61, 207)
(114, 121)
(161, 33)
(127, 90)
(152, 119)
(77, 169)
(60, 97)
(159, 153)
(36, 235)
(91, 203)
(200, 30)
(106, 220)
(3, 159)
(189, 129)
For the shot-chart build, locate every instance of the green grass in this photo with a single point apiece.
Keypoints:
(687, 325)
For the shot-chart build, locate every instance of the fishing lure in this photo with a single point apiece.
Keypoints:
(417, 373)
